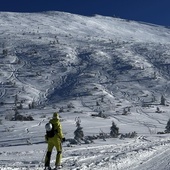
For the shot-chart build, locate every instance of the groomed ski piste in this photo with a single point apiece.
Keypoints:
(81, 66)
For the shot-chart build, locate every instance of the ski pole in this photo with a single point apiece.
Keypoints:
(43, 158)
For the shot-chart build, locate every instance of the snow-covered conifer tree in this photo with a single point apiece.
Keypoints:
(114, 130)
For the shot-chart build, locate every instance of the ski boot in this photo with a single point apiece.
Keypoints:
(58, 167)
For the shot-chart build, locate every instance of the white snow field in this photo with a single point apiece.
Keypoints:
(116, 70)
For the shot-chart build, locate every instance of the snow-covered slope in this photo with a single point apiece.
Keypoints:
(83, 66)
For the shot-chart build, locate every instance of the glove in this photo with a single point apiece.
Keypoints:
(63, 139)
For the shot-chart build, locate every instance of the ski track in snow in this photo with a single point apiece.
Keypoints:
(136, 154)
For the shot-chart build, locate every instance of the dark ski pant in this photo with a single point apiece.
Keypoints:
(54, 142)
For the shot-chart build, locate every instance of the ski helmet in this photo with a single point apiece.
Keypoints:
(48, 127)
(55, 115)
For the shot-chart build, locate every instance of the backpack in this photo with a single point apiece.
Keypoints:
(51, 133)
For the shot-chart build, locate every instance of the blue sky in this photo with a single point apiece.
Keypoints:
(152, 11)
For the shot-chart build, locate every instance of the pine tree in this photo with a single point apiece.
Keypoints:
(33, 104)
(16, 100)
(5, 52)
(79, 135)
(114, 130)
(163, 100)
(168, 127)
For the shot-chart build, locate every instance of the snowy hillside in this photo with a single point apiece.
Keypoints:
(114, 69)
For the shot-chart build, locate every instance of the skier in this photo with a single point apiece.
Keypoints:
(54, 137)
